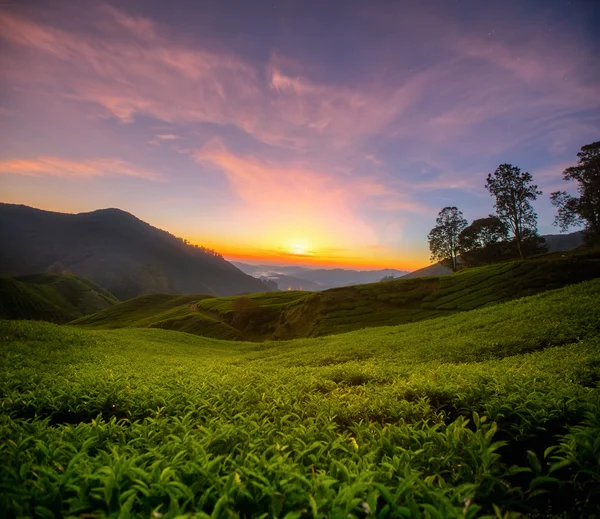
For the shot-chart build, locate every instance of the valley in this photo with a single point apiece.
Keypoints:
(295, 314)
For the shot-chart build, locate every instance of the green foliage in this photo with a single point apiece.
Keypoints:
(443, 238)
(584, 209)
(481, 242)
(287, 315)
(462, 416)
(514, 192)
(56, 298)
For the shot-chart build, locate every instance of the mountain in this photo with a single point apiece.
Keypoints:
(332, 278)
(285, 282)
(563, 242)
(432, 270)
(116, 250)
(263, 270)
(304, 278)
(56, 298)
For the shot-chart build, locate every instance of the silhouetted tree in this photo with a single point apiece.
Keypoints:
(584, 209)
(531, 244)
(387, 278)
(514, 192)
(482, 242)
(443, 238)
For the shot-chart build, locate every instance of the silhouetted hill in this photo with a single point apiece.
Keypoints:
(51, 297)
(563, 242)
(432, 270)
(115, 249)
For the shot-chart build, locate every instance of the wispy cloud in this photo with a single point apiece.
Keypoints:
(302, 142)
(141, 68)
(65, 168)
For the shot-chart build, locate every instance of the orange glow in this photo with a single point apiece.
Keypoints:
(283, 256)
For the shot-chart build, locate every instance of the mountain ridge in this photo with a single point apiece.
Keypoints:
(296, 277)
(116, 250)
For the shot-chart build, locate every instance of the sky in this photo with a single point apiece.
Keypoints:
(287, 131)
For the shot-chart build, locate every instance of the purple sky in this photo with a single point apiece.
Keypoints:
(329, 132)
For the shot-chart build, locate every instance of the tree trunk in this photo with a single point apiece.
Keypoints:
(518, 238)
(520, 248)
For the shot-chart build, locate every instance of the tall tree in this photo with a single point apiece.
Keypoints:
(584, 209)
(443, 238)
(483, 241)
(514, 192)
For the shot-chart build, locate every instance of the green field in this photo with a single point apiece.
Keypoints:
(493, 412)
(57, 298)
(288, 315)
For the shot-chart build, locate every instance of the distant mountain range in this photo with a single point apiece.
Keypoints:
(305, 278)
(563, 242)
(116, 250)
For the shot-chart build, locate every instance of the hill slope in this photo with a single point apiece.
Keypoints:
(436, 270)
(115, 249)
(287, 315)
(51, 297)
(555, 243)
(466, 416)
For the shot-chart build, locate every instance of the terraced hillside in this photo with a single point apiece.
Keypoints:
(199, 314)
(465, 416)
(51, 297)
(287, 315)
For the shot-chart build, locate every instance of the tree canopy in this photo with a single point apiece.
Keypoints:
(482, 241)
(443, 238)
(514, 191)
(584, 209)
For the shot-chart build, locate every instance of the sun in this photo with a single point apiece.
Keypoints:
(299, 248)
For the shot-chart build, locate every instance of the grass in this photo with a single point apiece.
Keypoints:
(461, 416)
(288, 315)
(56, 298)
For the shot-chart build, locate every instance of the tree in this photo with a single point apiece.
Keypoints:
(482, 242)
(584, 209)
(531, 244)
(514, 192)
(443, 238)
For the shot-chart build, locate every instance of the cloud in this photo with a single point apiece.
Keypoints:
(64, 168)
(144, 70)
(298, 202)
(314, 147)
(296, 185)
(132, 66)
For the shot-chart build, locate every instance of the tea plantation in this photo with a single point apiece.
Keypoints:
(290, 315)
(493, 412)
(57, 298)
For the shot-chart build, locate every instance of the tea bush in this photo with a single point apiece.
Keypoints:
(488, 413)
